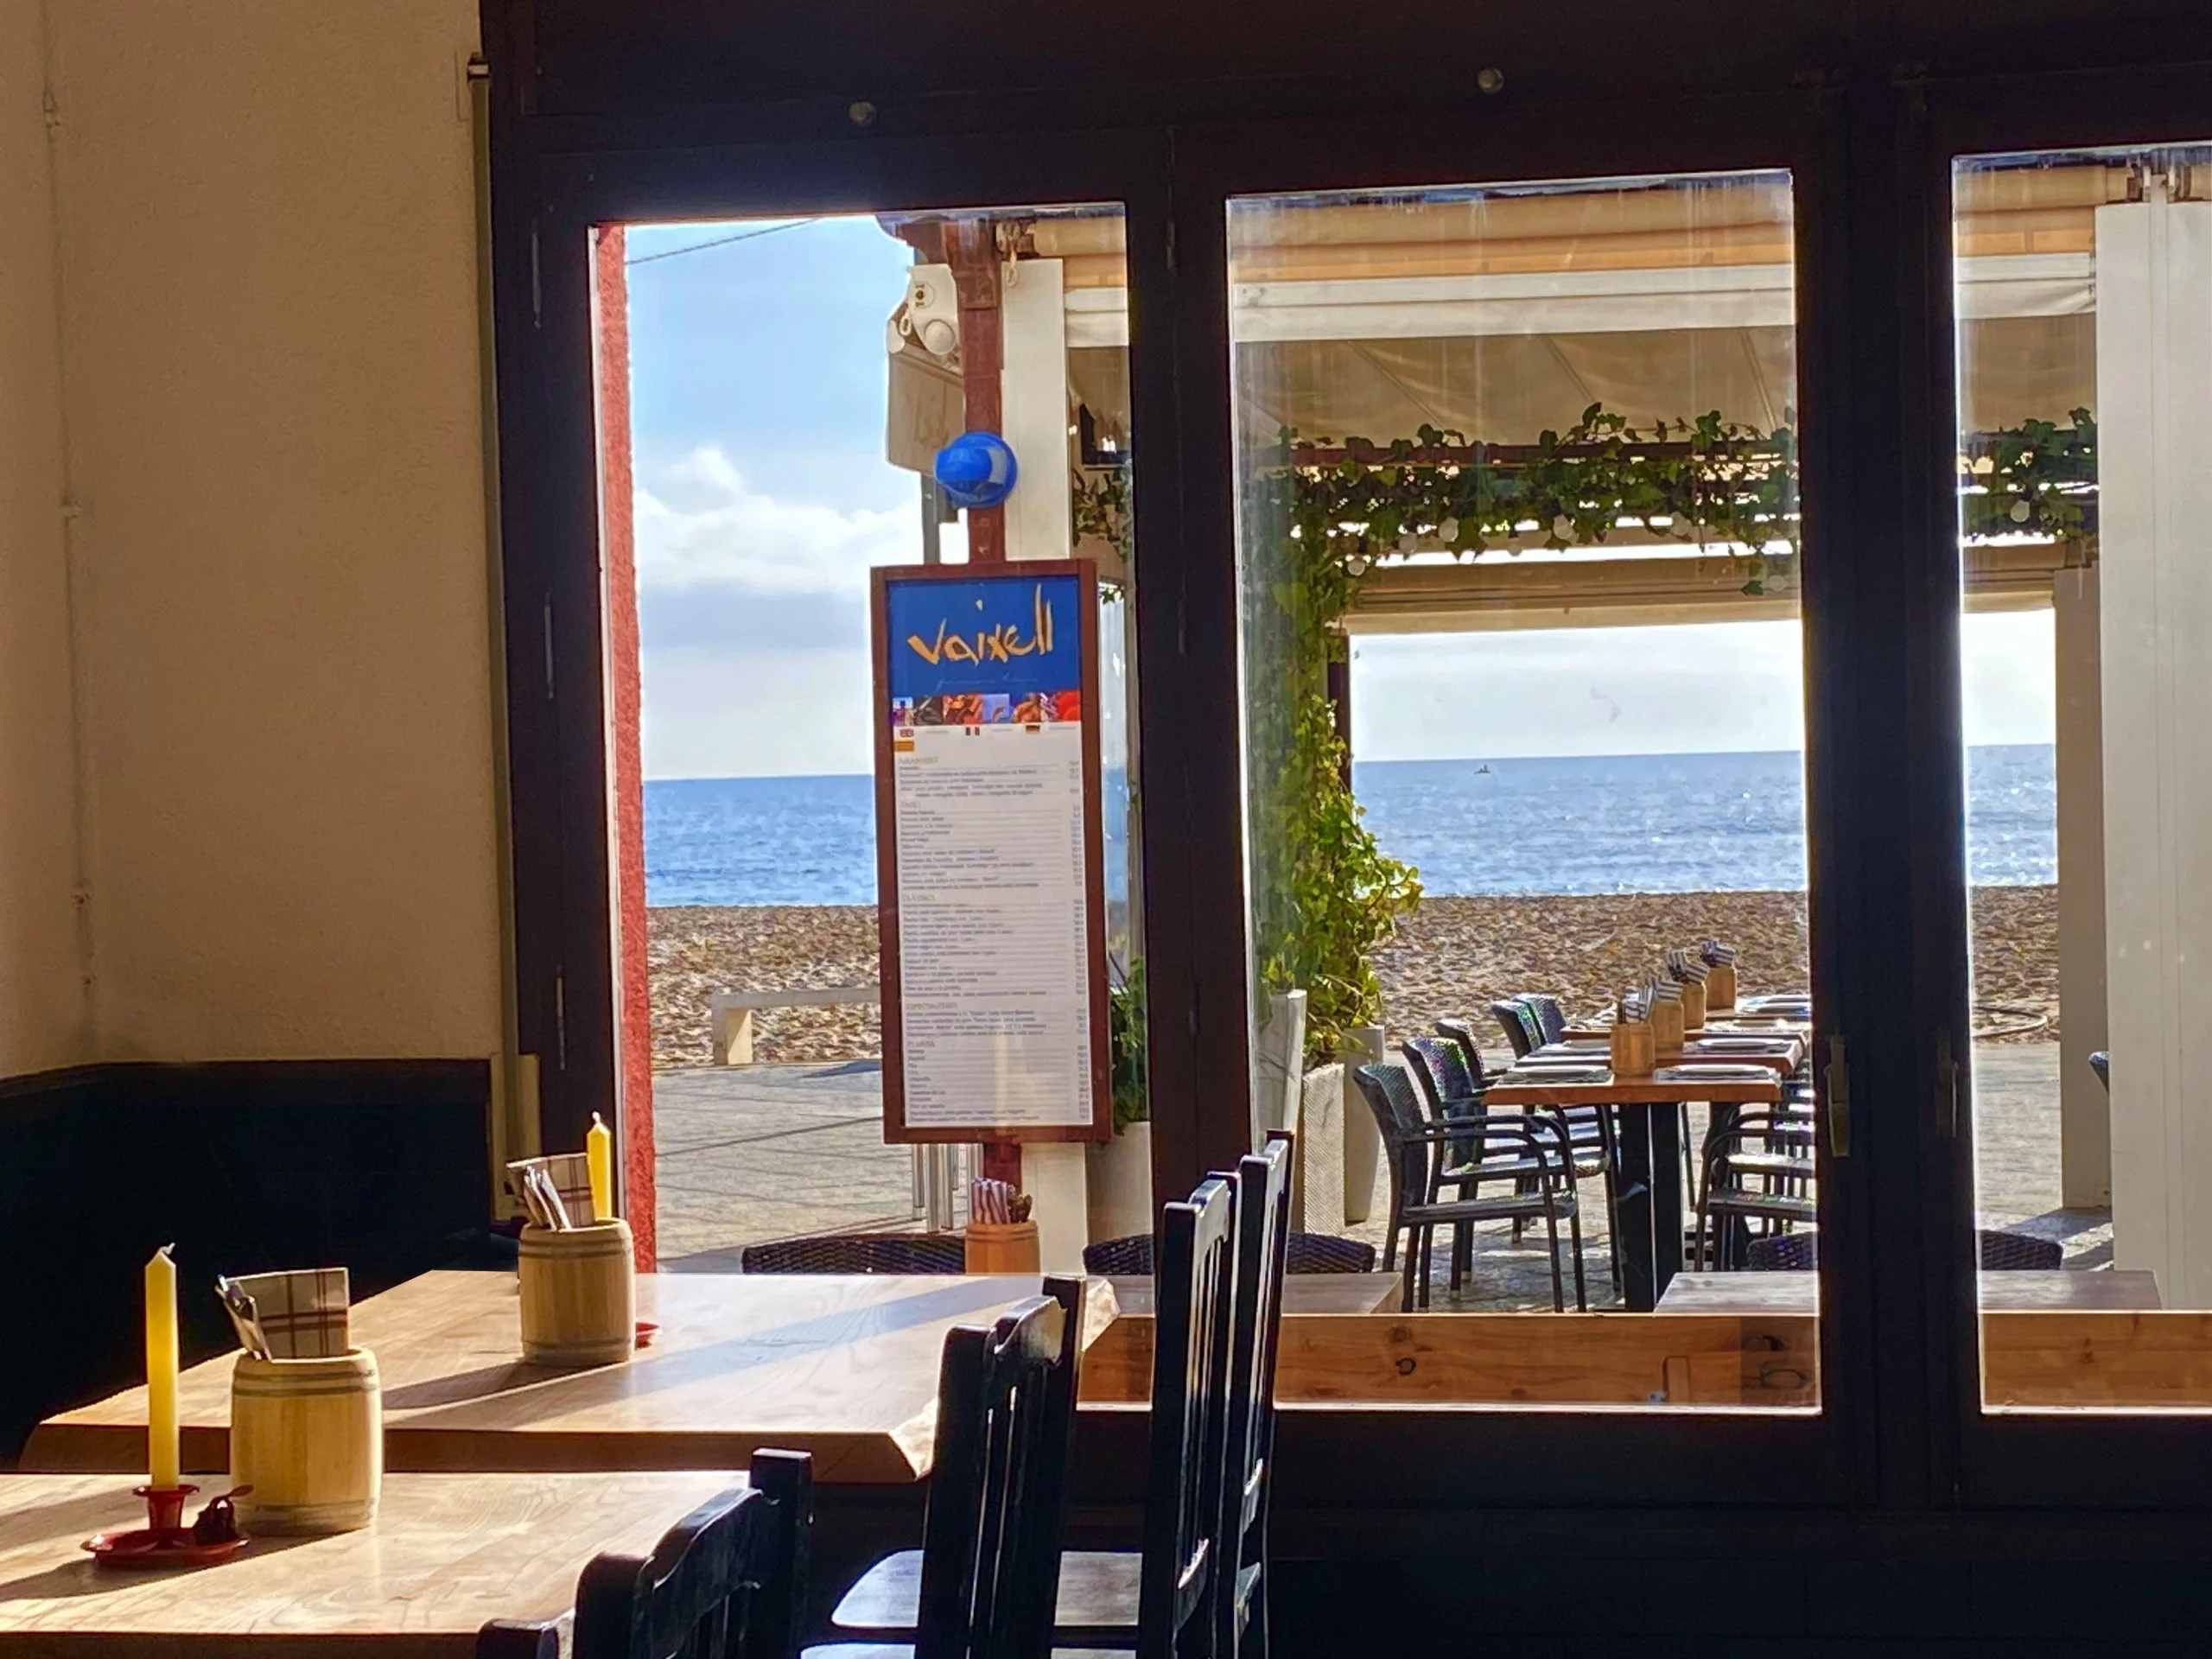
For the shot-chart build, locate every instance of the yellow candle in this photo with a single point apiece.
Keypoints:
(598, 1159)
(164, 1460)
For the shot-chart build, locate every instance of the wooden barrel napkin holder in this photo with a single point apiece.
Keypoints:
(1633, 1054)
(1720, 987)
(1001, 1247)
(579, 1295)
(1667, 1028)
(308, 1436)
(1693, 1005)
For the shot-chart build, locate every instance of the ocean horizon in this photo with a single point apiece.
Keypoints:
(1578, 824)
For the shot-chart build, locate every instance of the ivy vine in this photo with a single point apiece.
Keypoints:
(1325, 512)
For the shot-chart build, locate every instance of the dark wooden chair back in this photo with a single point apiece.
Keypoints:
(998, 1488)
(1192, 1293)
(726, 1582)
(1262, 1237)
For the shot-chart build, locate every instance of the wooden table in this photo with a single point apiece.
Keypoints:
(1302, 1292)
(1783, 1053)
(844, 1368)
(446, 1553)
(1648, 1207)
(2001, 1292)
(1599, 1027)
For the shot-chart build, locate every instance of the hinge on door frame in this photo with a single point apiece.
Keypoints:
(1836, 1076)
(1947, 1088)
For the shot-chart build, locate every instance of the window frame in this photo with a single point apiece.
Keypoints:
(2067, 1457)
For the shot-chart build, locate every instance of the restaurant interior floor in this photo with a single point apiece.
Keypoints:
(754, 1153)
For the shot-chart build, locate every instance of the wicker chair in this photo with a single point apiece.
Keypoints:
(1757, 1167)
(1131, 1257)
(1421, 1172)
(858, 1253)
(1521, 1031)
(2001, 1252)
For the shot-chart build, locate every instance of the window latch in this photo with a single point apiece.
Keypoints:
(1947, 1088)
(1836, 1075)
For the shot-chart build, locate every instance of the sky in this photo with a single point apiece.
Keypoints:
(757, 403)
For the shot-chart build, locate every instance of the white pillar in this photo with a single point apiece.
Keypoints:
(1034, 409)
(2084, 1108)
(2154, 412)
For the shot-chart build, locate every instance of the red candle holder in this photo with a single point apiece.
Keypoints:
(164, 1507)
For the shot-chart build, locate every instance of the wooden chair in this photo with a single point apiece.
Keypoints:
(1259, 1256)
(1159, 1600)
(982, 1585)
(726, 1582)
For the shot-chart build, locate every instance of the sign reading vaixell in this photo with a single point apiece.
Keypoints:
(991, 904)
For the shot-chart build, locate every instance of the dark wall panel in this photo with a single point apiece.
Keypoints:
(381, 1167)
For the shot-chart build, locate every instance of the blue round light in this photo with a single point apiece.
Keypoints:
(977, 469)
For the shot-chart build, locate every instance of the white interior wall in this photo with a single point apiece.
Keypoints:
(2154, 413)
(266, 272)
(42, 1023)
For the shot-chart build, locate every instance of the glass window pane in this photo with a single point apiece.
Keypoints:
(2084, 299)
(1524, 717)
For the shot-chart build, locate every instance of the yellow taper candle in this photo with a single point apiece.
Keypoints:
(599, 1159)
(164, 1460)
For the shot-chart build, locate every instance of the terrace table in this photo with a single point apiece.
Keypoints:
(843, 1367)
(446, 1553)
(1781, 1052)
(1792, 1291)
(1648, 1210)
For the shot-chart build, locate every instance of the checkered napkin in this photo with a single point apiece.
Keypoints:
(1717, 953)
(1684, 969)
(555, 1189)
(299, 1315)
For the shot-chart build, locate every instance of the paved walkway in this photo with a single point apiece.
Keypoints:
(753, 1153)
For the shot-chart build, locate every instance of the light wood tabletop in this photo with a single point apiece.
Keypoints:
(1782, 1052)
(445, 1554)
(2001, 1292)
(1655, 1091)
(843, 1367)
(1302, 1292)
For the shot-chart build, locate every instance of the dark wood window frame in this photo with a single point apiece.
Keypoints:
(1901, 1428)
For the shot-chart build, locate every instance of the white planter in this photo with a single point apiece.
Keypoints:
(1317, 1203)
(1362, 1140)
(1280, 1060)
(1121, 1185)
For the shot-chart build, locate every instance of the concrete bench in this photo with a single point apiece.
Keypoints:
(729, 1013)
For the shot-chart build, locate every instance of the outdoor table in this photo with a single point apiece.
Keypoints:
(1783, 1051)
(1792, 1292)
(1599, 1027)
(843, 1367)
(1648, 1210)
(446, 1553)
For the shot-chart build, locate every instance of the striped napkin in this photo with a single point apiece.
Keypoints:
(1684, 969)
(1717, 953)
(555, 1189)
(304, 1314)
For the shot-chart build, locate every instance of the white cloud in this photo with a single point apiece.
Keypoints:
(700, 521)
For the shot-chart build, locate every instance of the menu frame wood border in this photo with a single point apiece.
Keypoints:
(896, 1130)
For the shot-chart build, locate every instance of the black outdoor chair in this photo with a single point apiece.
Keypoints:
(1521, 1031)
(1105, 1595)
(1503, 1150)
(2100, 1062)
(858, 1253)
(1757, 1167)
(2000, 1252)
(1131, 1257)
(727, 1579)
(983, 1585)
(1551, 1019)
(1455, 1087)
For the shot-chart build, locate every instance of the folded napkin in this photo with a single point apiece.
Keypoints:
(1717, 953)
(997, 1202)
(1686, 969)
(555, 1189)
(304, 1314)
(1568, 1072)
(1714, 1071)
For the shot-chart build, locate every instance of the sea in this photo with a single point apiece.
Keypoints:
(1567, 825)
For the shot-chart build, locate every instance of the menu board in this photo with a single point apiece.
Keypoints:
(989, 869)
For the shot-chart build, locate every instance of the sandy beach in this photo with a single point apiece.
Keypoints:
(1453, 955)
